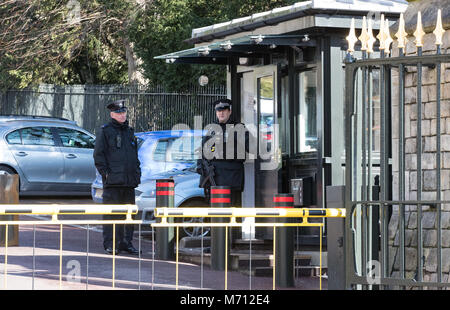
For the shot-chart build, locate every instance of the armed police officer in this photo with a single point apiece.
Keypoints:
(224, 151)
(116, 159)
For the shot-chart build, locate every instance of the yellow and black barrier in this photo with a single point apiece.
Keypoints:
(54, 210)
(303, 213)
(233, 213)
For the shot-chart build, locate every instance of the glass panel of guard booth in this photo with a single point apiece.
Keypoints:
(307, 118)
(266, 113)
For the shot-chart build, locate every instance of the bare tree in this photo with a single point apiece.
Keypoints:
(40, 38)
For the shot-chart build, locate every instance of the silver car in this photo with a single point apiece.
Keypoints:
(52, 156)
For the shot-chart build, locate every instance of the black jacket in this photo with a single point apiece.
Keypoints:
(116, 155)
(228, 171)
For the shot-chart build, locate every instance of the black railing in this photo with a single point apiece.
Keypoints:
(377, 147)
(149, 108)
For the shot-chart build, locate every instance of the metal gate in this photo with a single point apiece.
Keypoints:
(388, 166)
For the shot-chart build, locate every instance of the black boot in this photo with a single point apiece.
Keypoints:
(130, 249)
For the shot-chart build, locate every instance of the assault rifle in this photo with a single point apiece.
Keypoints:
(207, 170)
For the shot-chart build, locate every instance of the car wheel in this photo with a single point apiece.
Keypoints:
(195, 232)
(6, 170)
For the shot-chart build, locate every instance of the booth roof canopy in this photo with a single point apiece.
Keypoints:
(245, 46)
(292, 11)
(254, 44)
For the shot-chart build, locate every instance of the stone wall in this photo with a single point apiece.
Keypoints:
(429, 172)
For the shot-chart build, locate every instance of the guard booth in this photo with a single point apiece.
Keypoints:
(285, 77)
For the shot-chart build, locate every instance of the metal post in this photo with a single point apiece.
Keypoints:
(419, 150)
(220, 198)
(164, 235)
(284, 251)
(438, 166)
(9, 194)
(375, 225)
(335, 240)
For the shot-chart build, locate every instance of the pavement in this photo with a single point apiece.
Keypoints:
(37, 263)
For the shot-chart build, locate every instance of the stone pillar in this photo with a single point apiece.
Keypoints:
(9, 194)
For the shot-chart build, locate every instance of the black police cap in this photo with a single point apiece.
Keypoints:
(222, 104)
(117, 106)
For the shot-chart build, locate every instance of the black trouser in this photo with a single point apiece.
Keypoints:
(124, 233)
(236, 198)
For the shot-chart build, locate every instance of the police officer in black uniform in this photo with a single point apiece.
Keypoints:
(116, 159)
(228, 170)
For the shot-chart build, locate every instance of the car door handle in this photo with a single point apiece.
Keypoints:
(21, 154)
(71, 156)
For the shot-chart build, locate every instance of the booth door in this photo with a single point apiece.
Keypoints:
(267, 163)
(258, 113)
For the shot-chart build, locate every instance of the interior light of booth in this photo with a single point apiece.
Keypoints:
(226, 45)
(257, 39)
(204, 51)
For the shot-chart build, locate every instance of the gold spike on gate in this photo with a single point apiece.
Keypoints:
(381, 35)
(439, 30)
(419, 33)
(401, 34)
(351, 38)
(364, 37)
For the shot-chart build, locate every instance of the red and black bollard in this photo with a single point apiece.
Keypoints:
(220, 198)
(284, 247)
(165, 237)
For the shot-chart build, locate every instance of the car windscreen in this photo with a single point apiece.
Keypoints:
(180, 149)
